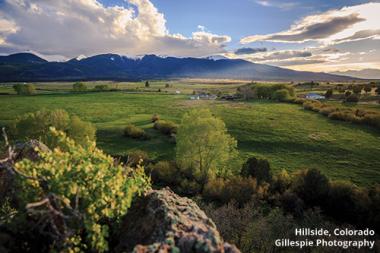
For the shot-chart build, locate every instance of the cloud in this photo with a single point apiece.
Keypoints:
(360, 35)
(326, 27)
(278, 4)
(250, 50)
(281, 55)
(86, 27)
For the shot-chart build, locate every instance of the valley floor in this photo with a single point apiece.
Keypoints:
(287, 135)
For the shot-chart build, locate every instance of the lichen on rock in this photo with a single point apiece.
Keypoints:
(162, 221)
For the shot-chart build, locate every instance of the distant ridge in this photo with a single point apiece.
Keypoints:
(364, 73)
(28, 67)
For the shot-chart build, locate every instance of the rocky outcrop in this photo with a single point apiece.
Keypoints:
(162, 222)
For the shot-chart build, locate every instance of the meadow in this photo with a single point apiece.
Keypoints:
(288, 136)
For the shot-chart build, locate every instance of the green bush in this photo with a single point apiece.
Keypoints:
(81, 131)
(266, 91)
(137, 157)
(24, 89)
(101, 87)
(166, 127)
(76, 190)
(281, 95)
(36, 126)
(79, 87)
(135, 132)
(165, 172)
(155, 117)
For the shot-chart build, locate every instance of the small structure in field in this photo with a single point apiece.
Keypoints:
(315, 96)
(203, 97)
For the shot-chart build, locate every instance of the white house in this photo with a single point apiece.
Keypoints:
(314, 96)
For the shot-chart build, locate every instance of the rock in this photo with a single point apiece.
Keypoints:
(163, 222)
(27, 150)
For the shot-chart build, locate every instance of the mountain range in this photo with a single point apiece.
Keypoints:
(364, 73)
(29, 67)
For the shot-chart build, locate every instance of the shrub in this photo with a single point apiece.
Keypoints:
(326, 110)
(329, 93)
(214, 190)
(312, 105)
(357, 89)
(24, 89)
(166, 172)
(239, 189)
(102, 87)
(134, 132)
(81, 185)
(311, 186)
(353, 98)
(166, 127)
(81, 131)
(257, 168)
(281, 95)
(137, 157)
(155, 117)
(79, 87)
(36, 126)
(147, 85)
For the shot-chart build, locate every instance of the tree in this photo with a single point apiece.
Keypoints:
(281, 95)
(246, 91)
(204, 146)
(24, 89)
(79, 87)
(257, 168)
(312, 187)
(329, 93)
(357, 89)
(147, 85)
(367, 88)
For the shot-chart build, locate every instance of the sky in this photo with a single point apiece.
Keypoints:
(312, 35)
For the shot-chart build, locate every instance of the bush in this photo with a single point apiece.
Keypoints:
(267, 91)
(165, 172)
(137, 157)
(257, 168)
(135, 132)
(102, 87)
(281, 95)
(214, 190)
(36, 126)
(81, 131)
(353, 98)
(24, 89)
(79, 185)
(312, 105)
(79, 87)
(155, 117)
(166, 127)
(239, 189)
(329, 93)
(312, 187)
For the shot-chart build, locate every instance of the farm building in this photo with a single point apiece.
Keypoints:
(314, 96)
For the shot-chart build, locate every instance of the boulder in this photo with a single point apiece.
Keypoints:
(162, 221)
(28, 150)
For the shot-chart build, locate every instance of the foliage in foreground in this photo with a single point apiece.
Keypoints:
(74, 191)
(36, 126)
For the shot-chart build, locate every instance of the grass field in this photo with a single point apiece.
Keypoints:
(288, 136)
